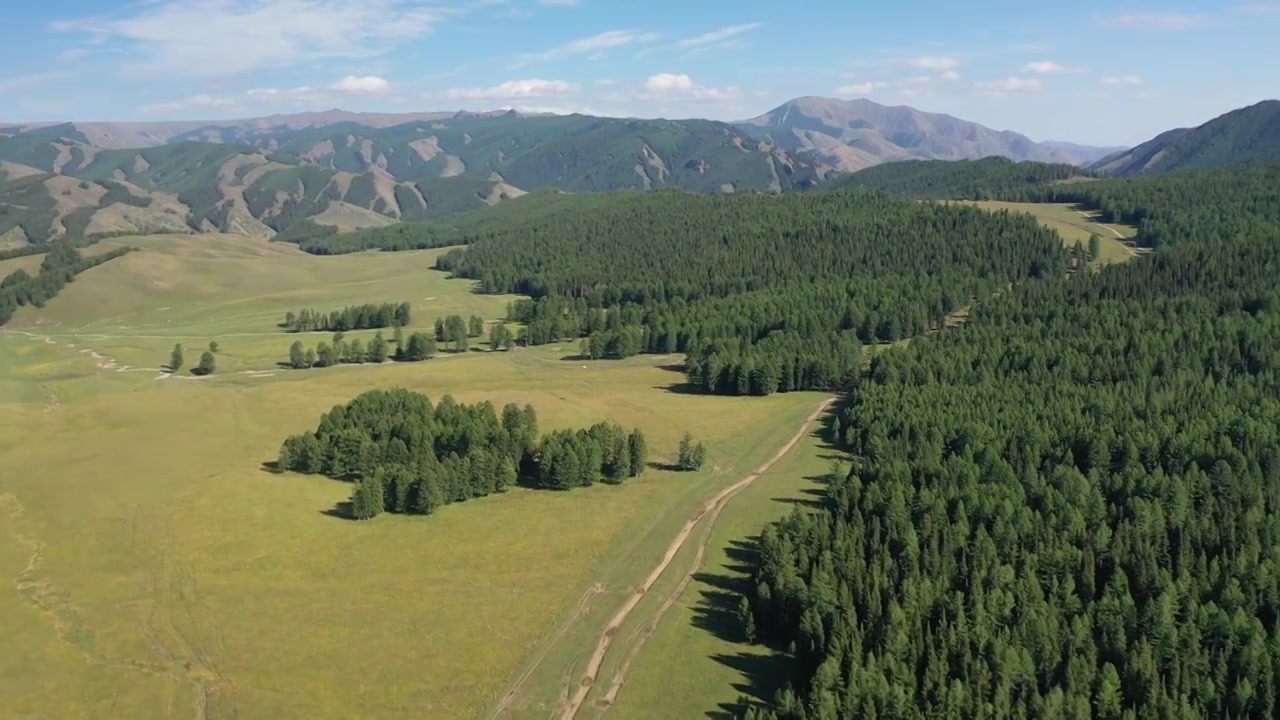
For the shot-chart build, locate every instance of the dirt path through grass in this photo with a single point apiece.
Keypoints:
(709, 512)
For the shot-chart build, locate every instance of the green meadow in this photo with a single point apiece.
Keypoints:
(159, 571)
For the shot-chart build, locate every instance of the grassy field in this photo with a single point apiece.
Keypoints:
(159, 572)
(1074, 224)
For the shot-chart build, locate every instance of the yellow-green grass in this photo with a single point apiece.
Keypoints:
(30, 263)
(347, 217)
(1074, 224)
(155, 565)
(696, 663)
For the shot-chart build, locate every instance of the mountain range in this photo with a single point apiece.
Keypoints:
(263, 176)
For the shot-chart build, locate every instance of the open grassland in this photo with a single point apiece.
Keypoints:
(695, 663)
(1074, 224)
(158, 571)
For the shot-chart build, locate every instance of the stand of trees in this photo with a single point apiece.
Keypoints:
(352, 317)
(1069, 507)
(990, 178)
(456, 332)
(339, 351)
(780, 289)
(60, 266)
(691, 455)
(406, 455)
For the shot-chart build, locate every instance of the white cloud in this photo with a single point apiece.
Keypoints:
(366, 84)
(950, 75)
(559, 3)
(1049, 67)
(603, 41)
(512, 89)
(1013, 84)
(934, 63)
(1258, 8)
(1122, 80)
(219, 38)
(717, 36)
(859, 90)
(671, 86)
(1164, 21)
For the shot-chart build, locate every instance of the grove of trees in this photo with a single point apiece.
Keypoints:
(989, 178)
(1068, 507)
(353, 317)
(61, 264)
(406, 455)
(341, 351)
(762, 294)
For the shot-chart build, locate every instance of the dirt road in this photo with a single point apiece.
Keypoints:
(709, 512)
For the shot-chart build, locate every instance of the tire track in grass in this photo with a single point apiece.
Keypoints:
(709, 512)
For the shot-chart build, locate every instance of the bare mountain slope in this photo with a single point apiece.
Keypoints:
(882, 133)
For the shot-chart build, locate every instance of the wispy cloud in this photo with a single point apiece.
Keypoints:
(1012, 84)
(304, 96)
(595, 43)
(515, 89)
(559, 3)
(1122, 80)
(218, 38)
(1158, 21)
(1258, 8)
(934, 63)
(1049, 67)
(24, 82)
(716, 36)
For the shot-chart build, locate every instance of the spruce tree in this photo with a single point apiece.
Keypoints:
(175, 359)
(206, 365)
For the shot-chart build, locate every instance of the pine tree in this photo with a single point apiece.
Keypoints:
(366, 498)
(297, 356)
(377, 349)
(475, 327)
(1095, 247)
(636, 448)
(213, 346)
(206, 365)
(175, 359)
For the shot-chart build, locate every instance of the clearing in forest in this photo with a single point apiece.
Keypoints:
(1075, 224)
(156, 570)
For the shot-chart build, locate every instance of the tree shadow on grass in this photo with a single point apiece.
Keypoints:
(271, 466)
(664, 467)
(765, 675)
(684, 388)
(340, 510)
(717, 608)
(813, 498)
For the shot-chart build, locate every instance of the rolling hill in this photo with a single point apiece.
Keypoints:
(855, 134)
(262, 181)
(1249, 134)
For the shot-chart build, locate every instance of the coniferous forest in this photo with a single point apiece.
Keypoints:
(406, 455)
(352, 317)
(762, 294)
(990, 178)
(1067, 508)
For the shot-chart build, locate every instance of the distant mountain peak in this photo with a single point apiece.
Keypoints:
(858, 133)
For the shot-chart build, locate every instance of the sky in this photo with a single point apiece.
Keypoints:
(1103, 72)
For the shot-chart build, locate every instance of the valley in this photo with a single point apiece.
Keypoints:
(617, 397)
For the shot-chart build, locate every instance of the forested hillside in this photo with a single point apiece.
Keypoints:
(60, 266)
(985, 179)
(1066, 508)
(1204, 206)
(762, 293)
(1247, 135)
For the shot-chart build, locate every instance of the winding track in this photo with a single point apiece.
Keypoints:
(710, 511)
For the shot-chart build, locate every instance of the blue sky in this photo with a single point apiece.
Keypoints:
(1091, 71)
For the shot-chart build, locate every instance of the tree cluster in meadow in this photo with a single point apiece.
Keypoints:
(455, 332)
(782, 289)
(353, 317)
(406, 455)
(339, 350)
(61, 264)
(1067, 508)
